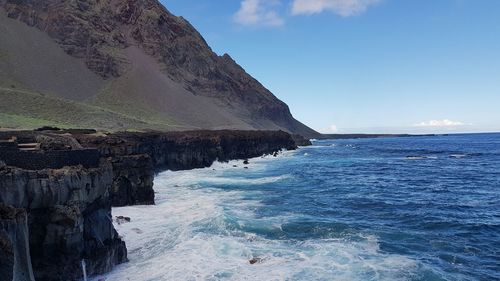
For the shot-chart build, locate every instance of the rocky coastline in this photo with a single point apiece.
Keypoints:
(52, 219)
(136, 157)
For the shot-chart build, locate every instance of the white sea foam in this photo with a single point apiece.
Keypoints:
(195, 233)
(421, 157)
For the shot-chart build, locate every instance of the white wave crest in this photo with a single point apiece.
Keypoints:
(195, 232)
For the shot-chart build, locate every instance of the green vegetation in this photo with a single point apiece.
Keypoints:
(23, 122)
(27, 110)
(132, 106)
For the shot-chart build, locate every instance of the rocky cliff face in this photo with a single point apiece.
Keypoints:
(122, 40)
(15, 259)
(137, 156)
(52, 219)
(68, 220)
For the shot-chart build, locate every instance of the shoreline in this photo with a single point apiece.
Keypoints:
(129, 164)
(181, 203)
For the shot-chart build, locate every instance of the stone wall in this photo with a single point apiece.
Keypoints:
(37, 160)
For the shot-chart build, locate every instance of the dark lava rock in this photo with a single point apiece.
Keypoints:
(15, 261)
(68, 217)
(47, 128)
(67, 211)
(256, 260)
(122, 219)
(136, 157)
(300, 140)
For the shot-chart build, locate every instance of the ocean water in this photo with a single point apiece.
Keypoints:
(419, 208)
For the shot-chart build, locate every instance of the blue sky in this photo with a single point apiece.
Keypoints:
(381, 66)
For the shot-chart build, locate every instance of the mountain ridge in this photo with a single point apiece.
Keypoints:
(139, 59)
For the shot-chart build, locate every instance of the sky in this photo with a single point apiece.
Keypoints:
(365, 66)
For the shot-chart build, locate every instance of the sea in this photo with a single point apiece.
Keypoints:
(409, 208)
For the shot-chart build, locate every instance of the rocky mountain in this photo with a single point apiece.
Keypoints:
(122, 64)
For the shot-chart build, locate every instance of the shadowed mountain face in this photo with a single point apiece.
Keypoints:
(134, 62)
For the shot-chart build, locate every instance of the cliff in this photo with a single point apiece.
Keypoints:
(52, 219)
(137, 156)
(132, 64)
(67, 213)
(15, 259)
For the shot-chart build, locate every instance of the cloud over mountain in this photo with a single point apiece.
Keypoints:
(266, 12)
(258, 13)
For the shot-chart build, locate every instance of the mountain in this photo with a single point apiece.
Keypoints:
(123, 64)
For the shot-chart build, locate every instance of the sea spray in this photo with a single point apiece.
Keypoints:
(84, 270)
(199, 230)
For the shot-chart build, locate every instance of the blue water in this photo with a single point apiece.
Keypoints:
(419, 208)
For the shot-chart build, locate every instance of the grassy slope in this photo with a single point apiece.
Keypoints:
(114, 101)
(24, 109)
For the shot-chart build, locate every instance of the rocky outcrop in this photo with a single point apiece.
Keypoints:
(68, 220)
(84, 29)
(137, 156)
(300, 140)
(132, 180)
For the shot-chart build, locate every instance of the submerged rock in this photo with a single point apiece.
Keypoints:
(137, 230)
(256, 260)
(122, 219)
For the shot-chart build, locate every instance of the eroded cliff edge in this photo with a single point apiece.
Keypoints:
(68, 219)
(136, 157)
(51, 219)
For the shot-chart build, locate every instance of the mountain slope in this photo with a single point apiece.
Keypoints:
(135, 58)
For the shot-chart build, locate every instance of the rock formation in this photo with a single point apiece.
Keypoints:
(68, 219)
(15, 259)
(137, 156)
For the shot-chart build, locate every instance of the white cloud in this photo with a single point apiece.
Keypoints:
(440, 123)
(258, 13)
(333, 128)
(345, 8)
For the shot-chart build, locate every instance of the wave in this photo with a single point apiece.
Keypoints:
(243, 180)
(196, 232)
(420, 157)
